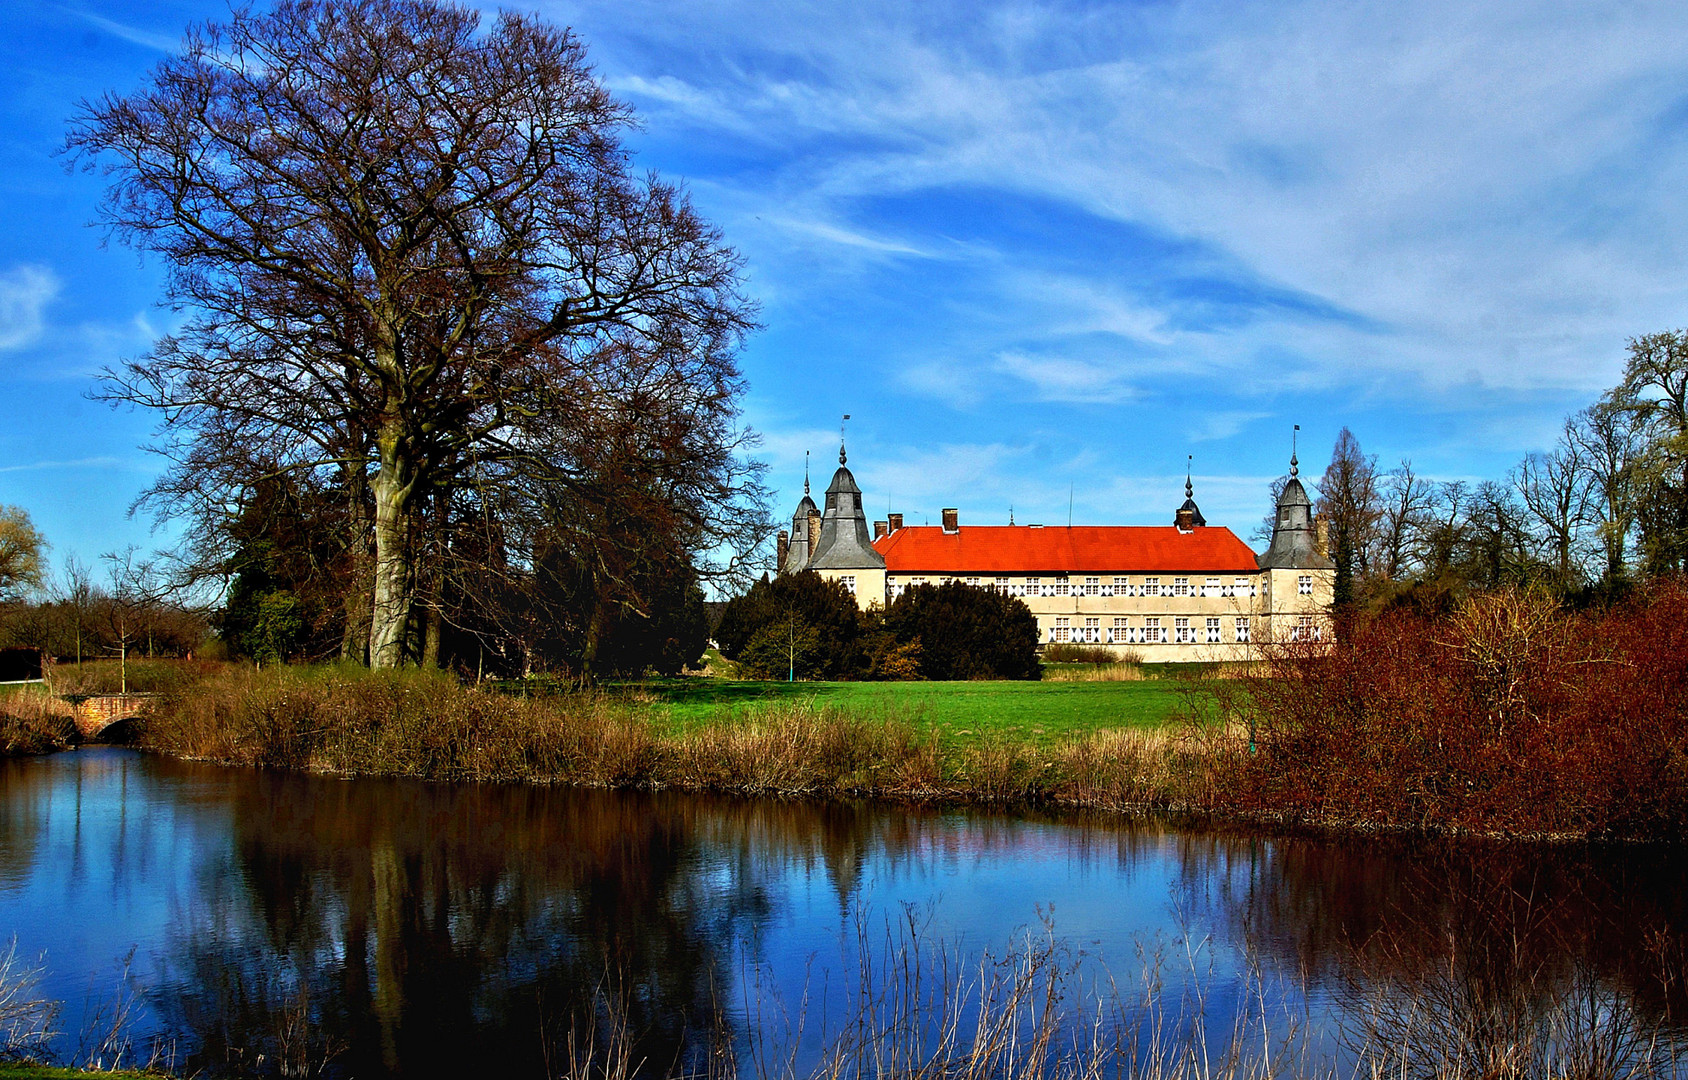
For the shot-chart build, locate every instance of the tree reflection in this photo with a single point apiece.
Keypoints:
(1481, 957)
(421, 927)
(380, 927)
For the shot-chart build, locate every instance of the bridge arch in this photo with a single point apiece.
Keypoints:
(104, 716)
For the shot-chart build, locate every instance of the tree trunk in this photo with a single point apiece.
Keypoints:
(431, 588)
(354, 639)
(589, 648)
(395, 577)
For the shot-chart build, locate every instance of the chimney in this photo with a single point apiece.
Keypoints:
(881, 530)
(952, 520)
(814, 531)
(781, 546)
(895, 521)
(1186, 520)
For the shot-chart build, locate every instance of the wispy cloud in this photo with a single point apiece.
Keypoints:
(25, 292)
(1065, 379)
(78, 463)
(145, 38)
(1431, 169)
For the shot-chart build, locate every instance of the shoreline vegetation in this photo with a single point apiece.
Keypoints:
(1509, 718)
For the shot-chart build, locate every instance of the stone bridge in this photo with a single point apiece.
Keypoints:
(97, 713)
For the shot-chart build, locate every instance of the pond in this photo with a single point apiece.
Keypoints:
(238, 921)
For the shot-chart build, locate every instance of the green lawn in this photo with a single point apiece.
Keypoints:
(1036, 711)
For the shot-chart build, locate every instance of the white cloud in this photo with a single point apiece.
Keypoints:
(1065, 379)
(166, 43)
(78, 463)
(1489, 188)
(25, 292)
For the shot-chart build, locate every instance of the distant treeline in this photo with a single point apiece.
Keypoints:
(1604, 507)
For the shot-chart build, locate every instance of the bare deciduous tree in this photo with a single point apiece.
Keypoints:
(1611, 443)
(413, 251)
(1554, 490)
(1404, 501)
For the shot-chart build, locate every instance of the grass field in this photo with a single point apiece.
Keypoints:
(1036, 712)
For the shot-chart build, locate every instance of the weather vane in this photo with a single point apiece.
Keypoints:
(841, 439)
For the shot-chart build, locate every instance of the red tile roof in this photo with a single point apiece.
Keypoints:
(1022, 549)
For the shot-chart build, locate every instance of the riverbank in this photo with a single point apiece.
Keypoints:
(1511, 718)
(353, 722)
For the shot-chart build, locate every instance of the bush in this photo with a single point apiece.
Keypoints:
(783, 651)
(773, 607)
(1067, 653)
(966, 632)
(1508, 715)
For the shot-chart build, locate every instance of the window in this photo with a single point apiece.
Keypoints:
(1061, 630)
(1093, 630)
(849, 581)
(1181, 632)
(1151, 586)
(1120, 633)
(1152, 632)
(1242, 630)
(1213, 631)
(917, 581)
(1093, 586)
(1122, 586)
(1211, 588)
(1002, 585)
(1304, 585)
(973, 581)
(1245, 586)
(1062, 586)
(1031, 586)
(1180, 586)
(1304, 630)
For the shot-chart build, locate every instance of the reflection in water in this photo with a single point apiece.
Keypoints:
(396, 928)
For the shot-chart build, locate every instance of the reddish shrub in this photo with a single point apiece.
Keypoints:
(1507, 715)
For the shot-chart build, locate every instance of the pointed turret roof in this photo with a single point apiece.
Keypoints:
(845, 543)
(1189, 515)
(1293, 546)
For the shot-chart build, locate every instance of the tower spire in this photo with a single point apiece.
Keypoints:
(841, 457)
(805, 472)
(1189, 464)
(1294, 466)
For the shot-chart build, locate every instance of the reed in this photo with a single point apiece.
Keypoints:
(1124, 671)
(923, 1010)
(351, 721)
(33, 721)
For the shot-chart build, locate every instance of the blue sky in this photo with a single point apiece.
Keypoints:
(1031, 248)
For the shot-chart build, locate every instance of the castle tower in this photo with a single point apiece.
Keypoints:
(844, 549)
(795, 556)
(1293, 541)
(1298, 580)
(1189, 516)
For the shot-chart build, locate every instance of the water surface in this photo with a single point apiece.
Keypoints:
(394, 928)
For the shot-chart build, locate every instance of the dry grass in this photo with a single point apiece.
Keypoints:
(1037, 1011)
(1124, 671)
(33, 721)
(351, 721)
(137, 675)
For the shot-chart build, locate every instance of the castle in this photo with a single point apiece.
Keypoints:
(1185, 591)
